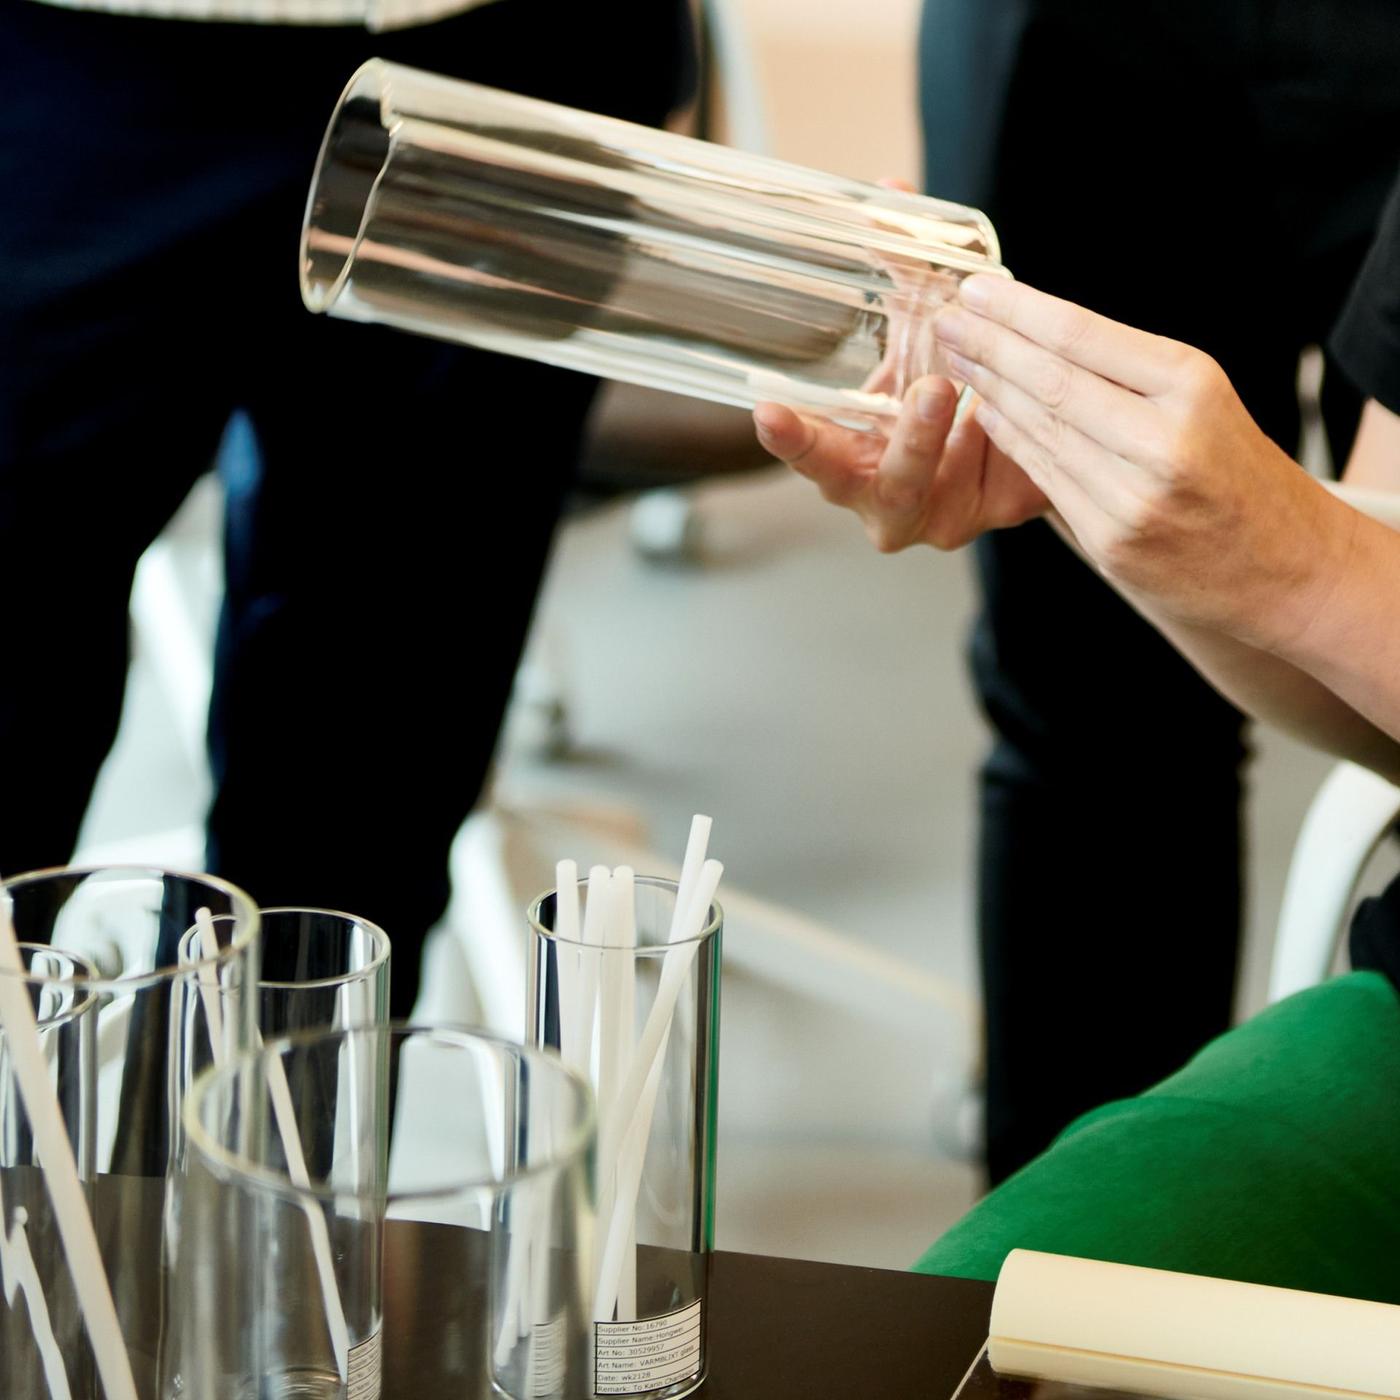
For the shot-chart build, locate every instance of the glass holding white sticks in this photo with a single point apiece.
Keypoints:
(41, 1330)
(456, 211)
(624, 984)
(320, 970)
(111, 1174)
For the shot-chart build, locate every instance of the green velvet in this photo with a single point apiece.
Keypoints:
(1273, 1157)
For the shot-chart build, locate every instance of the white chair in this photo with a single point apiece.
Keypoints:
(1344, 826)
(1349, 818)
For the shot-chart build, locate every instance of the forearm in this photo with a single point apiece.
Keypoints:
(1351, 645)
(1279, 691)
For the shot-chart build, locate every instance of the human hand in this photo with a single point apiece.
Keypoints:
(932, 481)
(1149, 457)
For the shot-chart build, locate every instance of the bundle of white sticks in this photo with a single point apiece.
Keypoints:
(597, 1019)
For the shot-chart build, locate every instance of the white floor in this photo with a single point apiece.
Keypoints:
(810, 695)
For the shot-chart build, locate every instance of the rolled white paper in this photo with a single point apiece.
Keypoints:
(1085, 1322)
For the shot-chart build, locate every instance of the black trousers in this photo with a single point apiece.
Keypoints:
(1210, 170)
(383, 561)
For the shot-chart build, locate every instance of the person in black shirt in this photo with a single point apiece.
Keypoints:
(1274, 1155)
(1213, 172)
(1138, 451)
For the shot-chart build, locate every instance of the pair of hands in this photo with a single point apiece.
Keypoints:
(1137, 444)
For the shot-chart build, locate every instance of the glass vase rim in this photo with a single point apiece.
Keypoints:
(374, 78)
(229, 1165)
(383, 946)
(79, 982)
(245, 936)
(712, 925)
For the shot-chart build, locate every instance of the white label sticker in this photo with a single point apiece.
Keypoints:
(651, 1354)
(548, 1360)
(363, 1369)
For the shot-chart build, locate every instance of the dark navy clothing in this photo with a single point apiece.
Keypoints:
(1366, 339)
(384, 556)
(1366, 342)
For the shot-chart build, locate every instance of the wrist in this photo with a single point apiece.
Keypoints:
(1314, 618)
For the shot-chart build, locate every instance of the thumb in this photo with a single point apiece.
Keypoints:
(787, 435)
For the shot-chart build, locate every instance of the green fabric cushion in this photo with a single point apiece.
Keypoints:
(1273, 1157)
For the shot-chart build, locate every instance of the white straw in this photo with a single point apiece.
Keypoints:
(566, 926)
(697, 846)
(674, 970)
(19, 1273)
(284, 1112)
(528, 1244)
(615, 1027)
(636, 1104)
(60, 1170)
(627, 1020)
(596, 915)
(616, 1244)
(566, 900)
(207, 975)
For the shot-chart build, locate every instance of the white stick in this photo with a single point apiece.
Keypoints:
(19, 1273)
(674, 969)
(627, 1014)
(207, 975)
(697, 845)
(566, 900)
(284, 1111)
(615, 1024)
(596, 914)
(285, 1114)
(60, 1170)
(635, 1108)
(566, 926)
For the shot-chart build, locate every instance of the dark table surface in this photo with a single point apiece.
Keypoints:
(778, 1327)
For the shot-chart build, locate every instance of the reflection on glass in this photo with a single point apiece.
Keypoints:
(474, 215)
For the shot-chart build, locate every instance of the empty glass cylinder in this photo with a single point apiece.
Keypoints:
(474, 215)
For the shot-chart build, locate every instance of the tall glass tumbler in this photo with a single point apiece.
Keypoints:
(42, 1352)
(476, 1153)
(642, 1023)
(474, 215)
(319, 970)
(152, 1035)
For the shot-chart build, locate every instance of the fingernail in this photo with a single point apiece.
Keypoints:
(763, 425)
(928, 403)
(951, 326)
(976, 291)
(987, 416)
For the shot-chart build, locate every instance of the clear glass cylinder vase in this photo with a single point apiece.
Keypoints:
(640, 1020)
(515, 225)
(322, 1162)
(151, 1016)
(43, 1351)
